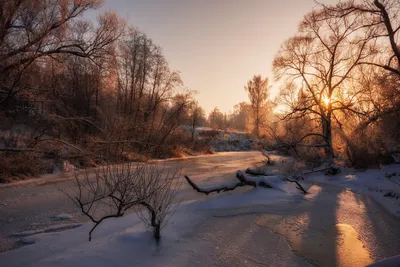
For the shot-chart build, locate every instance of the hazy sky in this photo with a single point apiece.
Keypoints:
(217, 45)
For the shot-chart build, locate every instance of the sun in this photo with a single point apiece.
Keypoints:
(326, 100)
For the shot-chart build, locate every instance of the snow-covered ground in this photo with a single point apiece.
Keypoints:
(187, 240)
(381, 184)
(331, 226)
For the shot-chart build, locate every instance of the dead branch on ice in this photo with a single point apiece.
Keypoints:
(253, 181)
(208, 190)
(243, 181)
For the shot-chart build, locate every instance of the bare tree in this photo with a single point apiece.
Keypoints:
(161, 204)
(111, 191)
(380, 18)
(317, 64)
(197, 117)
(241, 116)
(216, 119)
(257, 89)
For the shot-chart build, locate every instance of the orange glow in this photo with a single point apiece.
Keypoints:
(326, 100)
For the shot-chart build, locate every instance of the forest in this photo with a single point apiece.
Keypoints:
(95, 92)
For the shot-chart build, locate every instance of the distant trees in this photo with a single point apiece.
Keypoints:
(258, 91)
(197, 117)
(217, 119)
(240, 118)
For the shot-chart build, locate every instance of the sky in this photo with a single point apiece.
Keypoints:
(217, 45)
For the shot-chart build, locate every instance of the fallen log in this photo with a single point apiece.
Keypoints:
(208, 190)
(255, 172)
(252, 181)
(243, 181)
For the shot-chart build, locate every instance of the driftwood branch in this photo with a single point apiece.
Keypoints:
(255, 172)
(222, 188)
(252, 181)
(243, 181)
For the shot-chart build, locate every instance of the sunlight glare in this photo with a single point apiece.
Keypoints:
(326, 100)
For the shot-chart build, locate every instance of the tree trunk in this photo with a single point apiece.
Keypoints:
(258, 121)
(327, 133)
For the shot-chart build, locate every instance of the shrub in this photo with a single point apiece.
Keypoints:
(149, 190)
(19, 165)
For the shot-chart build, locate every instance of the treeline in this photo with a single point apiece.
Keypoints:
(253, 116)
(85, 91)
(101, 91)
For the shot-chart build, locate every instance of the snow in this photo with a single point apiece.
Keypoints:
(389, 262)
(383, 184)
(191, 236)
(125, 241)
(28, 241)
(53, 228)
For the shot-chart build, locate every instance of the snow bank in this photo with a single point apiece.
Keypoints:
(381, 184)
(389, 262)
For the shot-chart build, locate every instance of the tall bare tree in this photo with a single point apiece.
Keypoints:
(197, 117)
(257, 89)
(318, 64)
(380, 19)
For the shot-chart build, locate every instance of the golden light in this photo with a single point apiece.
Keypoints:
(326, 100)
